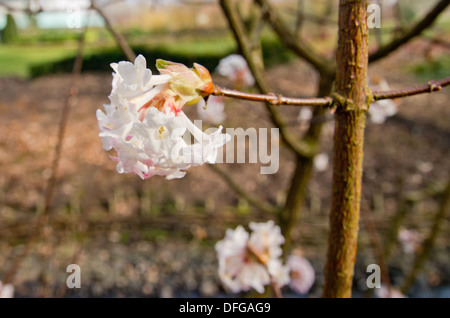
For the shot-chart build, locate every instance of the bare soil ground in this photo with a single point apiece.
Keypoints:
(156, 237)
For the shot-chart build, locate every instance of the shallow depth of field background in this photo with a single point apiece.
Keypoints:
(156, 237)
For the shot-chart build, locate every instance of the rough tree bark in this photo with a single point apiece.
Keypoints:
(352, 99)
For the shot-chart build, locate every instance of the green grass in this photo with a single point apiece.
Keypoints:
(213, 46)
(436, 69)
(15, 60)
(29, 58)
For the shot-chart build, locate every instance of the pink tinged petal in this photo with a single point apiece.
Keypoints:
(114, 158)
(146, 98)
(302, 274)
(278, 272)
(255, 276)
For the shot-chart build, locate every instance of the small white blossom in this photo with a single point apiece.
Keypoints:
(279, 273)
(213, 112)
(424, 167)
(410, 240)
(302, 274)
(145, 125)
(305, 114)
(237, 269)
(251, 261)
(6, 290)
(266, 240)
(235, 68)
(321, 161)
(380, 110)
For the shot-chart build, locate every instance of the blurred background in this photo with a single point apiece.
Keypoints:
(155, 238)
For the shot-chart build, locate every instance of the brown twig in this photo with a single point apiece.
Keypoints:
(278, 100)
(431, 86)
(429, 241)
(311, 17)
(121, 41)
(291, 41)
(426, 22)
(256, 202)
(255, 63)
(50, 186)
(272, 99)
(276, 289)
(299, 17)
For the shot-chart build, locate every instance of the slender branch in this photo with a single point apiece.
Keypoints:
(404, 205)
(276, 289)
(298, 47)
(121, 41)
(431, 86)
(299, 17)
(255, 63)
(257, 202)
(318, 19)
(278, 100)
(406, 202)
(272, 99)
(79, 227)
(430, 240)
(50, 186)
(426, 22)
(255, 27)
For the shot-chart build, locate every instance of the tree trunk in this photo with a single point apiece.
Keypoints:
(351, 96)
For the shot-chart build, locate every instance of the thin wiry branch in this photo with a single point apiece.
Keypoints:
(255, 64)
(121, 41)
(292, 42)
(429, 241)
(51, 182)
(257, 202)
(278, 100)
(431, 86)
(272, 99)
(426, 22)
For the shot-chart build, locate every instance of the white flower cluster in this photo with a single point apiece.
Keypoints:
(235, 68)
(144, 122)
(254, 260)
